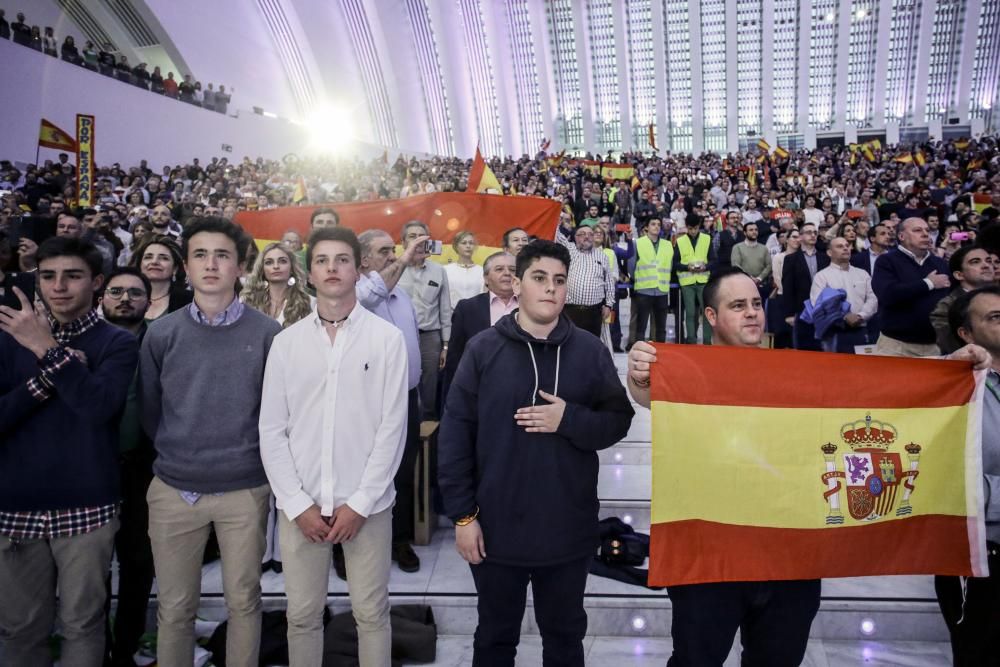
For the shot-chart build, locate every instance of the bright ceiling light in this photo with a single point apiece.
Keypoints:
(331, 129)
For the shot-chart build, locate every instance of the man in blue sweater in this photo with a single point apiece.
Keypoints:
(533, 399)
(909, 281)
(201, 372)
(64, 376)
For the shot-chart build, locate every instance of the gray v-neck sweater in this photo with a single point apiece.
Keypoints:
(199, 396)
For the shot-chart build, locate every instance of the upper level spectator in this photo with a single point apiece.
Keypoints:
(69, 52)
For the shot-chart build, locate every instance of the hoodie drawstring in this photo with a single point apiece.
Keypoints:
(534, 365)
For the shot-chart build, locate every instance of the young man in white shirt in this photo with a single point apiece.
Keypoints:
(332, 436)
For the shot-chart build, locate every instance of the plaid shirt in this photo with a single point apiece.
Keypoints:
(41, 386)
(590, 282)
(48, 524)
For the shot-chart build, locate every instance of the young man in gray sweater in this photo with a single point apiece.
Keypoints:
(201, 373)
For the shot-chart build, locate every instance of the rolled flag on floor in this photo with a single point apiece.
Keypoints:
(759, 475)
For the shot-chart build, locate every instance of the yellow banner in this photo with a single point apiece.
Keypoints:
(85, 160)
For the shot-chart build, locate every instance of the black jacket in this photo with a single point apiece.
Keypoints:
(863, 261)
(536, 492)
(470, 316)
(796, 281)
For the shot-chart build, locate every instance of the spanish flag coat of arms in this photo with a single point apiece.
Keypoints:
(780, 464)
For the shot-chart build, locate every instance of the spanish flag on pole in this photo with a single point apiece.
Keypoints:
(481, 177)
(50, 136)
(780, 152)
(875, 470)
(763, 145)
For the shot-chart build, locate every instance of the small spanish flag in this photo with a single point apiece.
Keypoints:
(974, 164)
(481, 177)
(636, 183)
(962, 144)
(804, 481)
(652, 138)
(781, 152)
(981, 202)
(50, 136)
(300, 191)
(617, 172)
(763, 145)
(867, 151)
(904, 158)
(920, 157)
(556, 160)
(752, 177)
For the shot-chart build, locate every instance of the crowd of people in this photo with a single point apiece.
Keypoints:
(104, 58)
(189, 383)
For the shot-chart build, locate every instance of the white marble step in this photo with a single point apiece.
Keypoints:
(901, 608)
(456, 651)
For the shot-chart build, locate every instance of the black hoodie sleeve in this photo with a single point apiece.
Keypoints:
(457, 440)
(607, 419)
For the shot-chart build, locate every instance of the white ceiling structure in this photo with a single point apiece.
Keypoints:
(442, 76)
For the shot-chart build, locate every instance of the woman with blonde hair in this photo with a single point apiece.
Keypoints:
(465, 277)
(276, 286)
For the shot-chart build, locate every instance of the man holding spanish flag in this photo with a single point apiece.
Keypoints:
(773, 609)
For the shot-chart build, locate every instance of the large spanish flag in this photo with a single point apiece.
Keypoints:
(445, 213)
(774, 464)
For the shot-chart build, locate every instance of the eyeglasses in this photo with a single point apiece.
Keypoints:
(134, 293)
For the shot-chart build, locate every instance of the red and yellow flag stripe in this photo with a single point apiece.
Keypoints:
(753, 476)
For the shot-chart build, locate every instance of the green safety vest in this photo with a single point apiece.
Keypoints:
(652, 267)
(612, 259)
(695, 254)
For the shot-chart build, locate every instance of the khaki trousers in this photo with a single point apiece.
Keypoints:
(307, 573)
(31, 572)
(892, 347)
(178, 532)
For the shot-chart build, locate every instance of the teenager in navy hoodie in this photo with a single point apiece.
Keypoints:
(533, 400)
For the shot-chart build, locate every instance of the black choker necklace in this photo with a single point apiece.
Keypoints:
(333, 323)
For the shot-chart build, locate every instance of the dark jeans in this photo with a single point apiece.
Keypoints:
(558, 600)
(587, 318)
(844, 341)
(402, 512)
(975, 640)
(135, 556)
(657, 308)
(773, 617)
(804, 336)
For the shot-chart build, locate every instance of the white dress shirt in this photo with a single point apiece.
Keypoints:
(856, 282)
(333, 415)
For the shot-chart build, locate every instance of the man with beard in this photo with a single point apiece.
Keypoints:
(124, 303)
(163, 222)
